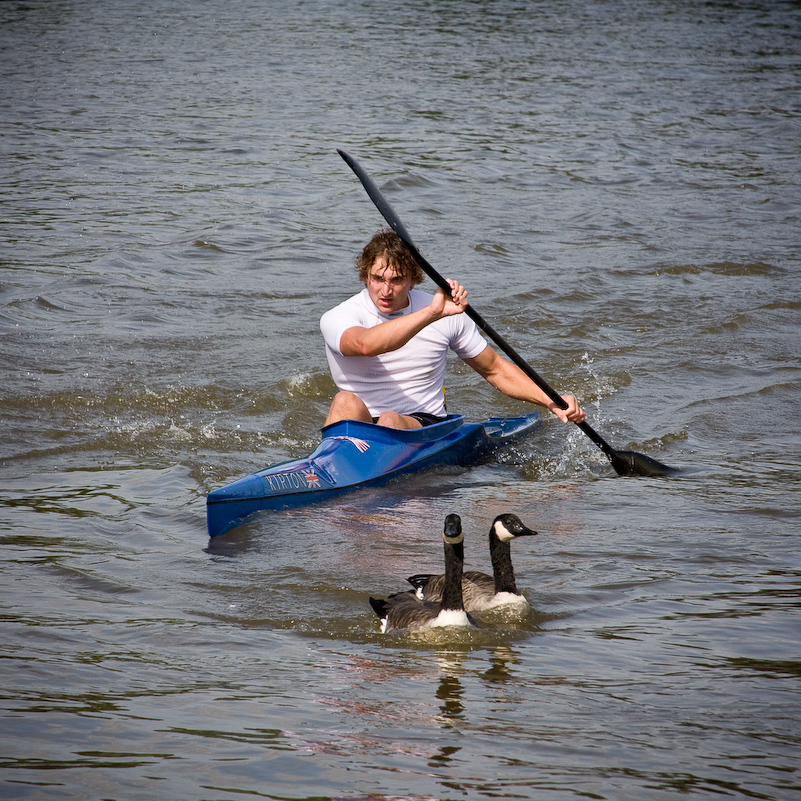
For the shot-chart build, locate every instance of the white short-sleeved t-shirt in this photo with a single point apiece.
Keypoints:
(408, 379)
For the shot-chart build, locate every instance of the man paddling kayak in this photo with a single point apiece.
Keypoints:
(387, 346)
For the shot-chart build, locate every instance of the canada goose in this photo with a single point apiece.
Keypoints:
(405, 611)
(480, 591)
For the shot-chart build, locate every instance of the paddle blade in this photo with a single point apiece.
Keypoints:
(631, 463)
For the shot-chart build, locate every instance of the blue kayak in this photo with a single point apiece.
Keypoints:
(353, 454)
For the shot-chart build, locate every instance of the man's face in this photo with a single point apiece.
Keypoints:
(388, 290)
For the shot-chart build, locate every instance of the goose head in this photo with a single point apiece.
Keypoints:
(452, 532)
(508, 526)
(453, 536)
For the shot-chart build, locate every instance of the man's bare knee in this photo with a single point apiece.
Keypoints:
(396, 420)
(347, 406)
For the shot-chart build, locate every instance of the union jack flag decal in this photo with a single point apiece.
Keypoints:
(359, 443)
(311, 478)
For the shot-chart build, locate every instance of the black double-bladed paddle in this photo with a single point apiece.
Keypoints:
(626, 463)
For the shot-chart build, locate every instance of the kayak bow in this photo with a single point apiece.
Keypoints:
(353, 454)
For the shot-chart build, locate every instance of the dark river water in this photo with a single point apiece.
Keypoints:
(616, 183)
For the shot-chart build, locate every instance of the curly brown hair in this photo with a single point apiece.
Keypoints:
(388, 245)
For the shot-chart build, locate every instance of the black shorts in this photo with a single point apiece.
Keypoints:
(424, 418)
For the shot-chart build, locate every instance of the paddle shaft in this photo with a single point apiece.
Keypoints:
(388, 213)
